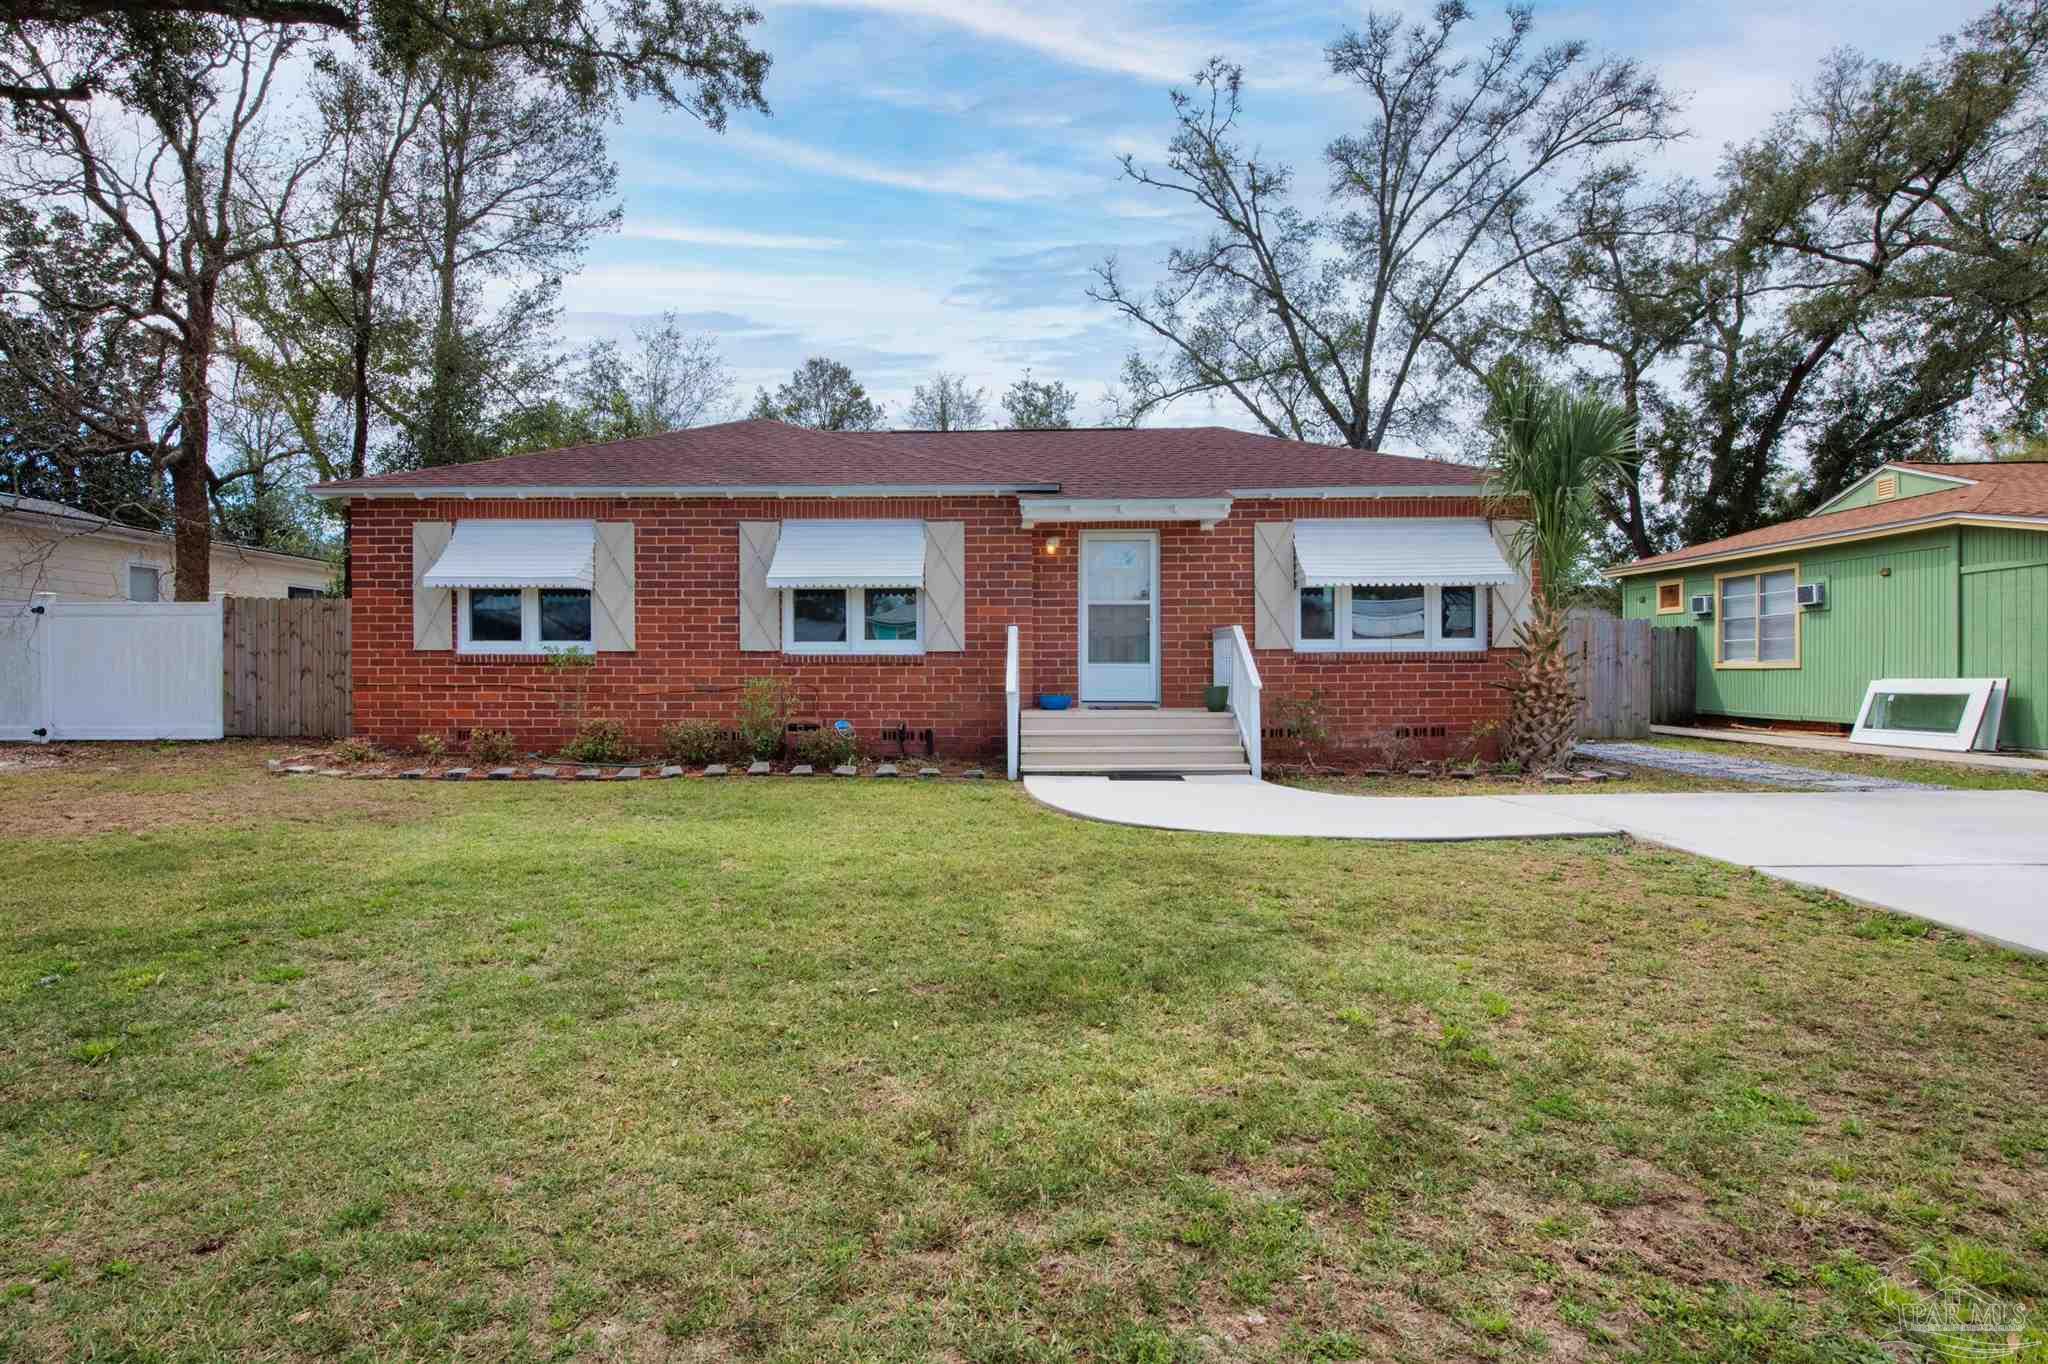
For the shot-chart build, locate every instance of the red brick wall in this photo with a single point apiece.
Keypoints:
(688, 663)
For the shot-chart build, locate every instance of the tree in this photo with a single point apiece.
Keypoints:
(688, 54)
(200, 198)
(947, 404)
(323, 337)
(1882, 272)
(1553, 449)
(1620, 303)
(670, 380)
(85, 380)
(823, 395)
(1035, 406)
(1350, 326)
(506, 186)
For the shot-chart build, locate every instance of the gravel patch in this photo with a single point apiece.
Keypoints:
(1729, 767)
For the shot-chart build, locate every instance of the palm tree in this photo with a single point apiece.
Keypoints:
(1552, 448)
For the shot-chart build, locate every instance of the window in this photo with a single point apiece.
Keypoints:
(1670, 596)
(523, 620)
(1759, 620)
(145, 583)
(304, 593)
(1368, 617)
(1954, 713)
(852, 620)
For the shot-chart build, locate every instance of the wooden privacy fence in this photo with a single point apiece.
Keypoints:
(1611, 663)
(1674, 663)
(286, 667)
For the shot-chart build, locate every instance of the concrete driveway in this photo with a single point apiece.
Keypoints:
(1970, 860)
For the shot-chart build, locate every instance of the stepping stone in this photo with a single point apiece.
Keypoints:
(333, 772)
(1421, 772)
(413, 774)
(671, 771)
(715, 770)
(1464, 774)
(301, 770)
(929, 772)
(803, 770)
(974, 774)
(1377, 772)
(589, 774)
(1557, 778)
(274, 764)
(758, 769)
(627, 774)
(456, 774)
(501, 774)
(1589, 776)
(886, 770)
(847, 770)
(543, 773)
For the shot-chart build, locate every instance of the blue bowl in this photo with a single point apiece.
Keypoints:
(1055, 702)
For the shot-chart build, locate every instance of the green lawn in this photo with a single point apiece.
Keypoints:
(301, 1068)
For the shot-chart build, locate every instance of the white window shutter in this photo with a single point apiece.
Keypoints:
(1273, 612)
(760, 604)
(612, 589)
(433, 608)
(945, 587)
(1514, 604)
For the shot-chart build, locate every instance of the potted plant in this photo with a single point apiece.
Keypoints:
(1216, 698)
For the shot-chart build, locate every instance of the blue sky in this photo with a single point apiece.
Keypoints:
(938, 177)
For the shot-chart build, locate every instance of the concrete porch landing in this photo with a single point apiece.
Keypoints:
(1827, 743)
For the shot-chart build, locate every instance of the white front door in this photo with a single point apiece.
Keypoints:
(1119, 616)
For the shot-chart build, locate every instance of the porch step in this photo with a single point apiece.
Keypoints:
(1121, 737)
(1127, 762)
(1126, 721)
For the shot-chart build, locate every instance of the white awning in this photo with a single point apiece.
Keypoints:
(517, 554)
(1398, 551)
(848, 554)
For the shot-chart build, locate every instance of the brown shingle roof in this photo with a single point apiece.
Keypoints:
(2008, 489)
(1204, 461)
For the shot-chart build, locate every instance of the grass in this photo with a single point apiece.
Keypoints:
(303, 1069)
(1956, 776)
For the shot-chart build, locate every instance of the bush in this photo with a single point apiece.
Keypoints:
(491, 747)
(695, 743)
(433, 745)
(353, 750)
(824, 749)
(599, 741)
(764, 715)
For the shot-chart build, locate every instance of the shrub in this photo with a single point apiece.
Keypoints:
(697, 742)
(353, 750)
(491, 747)
(825, 748)
(1307, 719)
(764, 715)
(599, 741)
(433, 745)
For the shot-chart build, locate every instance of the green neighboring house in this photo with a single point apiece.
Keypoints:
(1927, 570)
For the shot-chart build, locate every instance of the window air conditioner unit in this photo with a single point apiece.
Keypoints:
(1702, 604)
(1814, 595)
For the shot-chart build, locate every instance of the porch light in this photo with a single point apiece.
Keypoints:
(1052, 544)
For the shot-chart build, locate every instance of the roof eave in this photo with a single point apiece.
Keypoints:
(526, 492)
(1876, 532)
(1365, 490)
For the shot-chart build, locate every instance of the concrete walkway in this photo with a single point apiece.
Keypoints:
(1976, 861)
(1738, 767)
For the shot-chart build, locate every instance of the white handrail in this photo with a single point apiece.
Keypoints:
(1236, 669)
(1010, 700)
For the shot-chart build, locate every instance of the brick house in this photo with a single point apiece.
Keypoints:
(880, 576)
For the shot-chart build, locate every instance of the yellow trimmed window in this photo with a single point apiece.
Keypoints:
(1759, 619)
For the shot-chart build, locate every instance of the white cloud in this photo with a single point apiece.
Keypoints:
(718, 236)
(1087, 37)
(994, 175)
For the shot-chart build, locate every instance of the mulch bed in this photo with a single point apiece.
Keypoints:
(416, 767)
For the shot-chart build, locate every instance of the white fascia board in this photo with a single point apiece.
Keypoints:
(1877, 532)
(523, 493)
(1205, 510)
(1366, 490)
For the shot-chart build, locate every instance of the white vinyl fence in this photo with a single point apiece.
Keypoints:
(110, 670)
